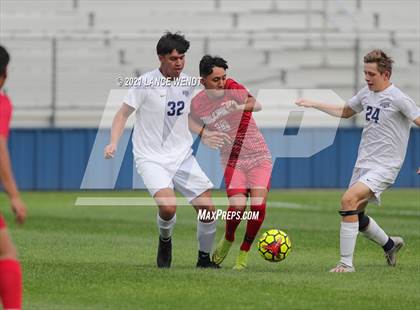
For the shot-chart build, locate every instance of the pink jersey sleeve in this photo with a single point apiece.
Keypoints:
(195, 106)
(237, 91)
(5, 116)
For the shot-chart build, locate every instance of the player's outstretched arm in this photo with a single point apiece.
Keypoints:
(9, 184)
(331, 109)
(250, 105)
(118, 125)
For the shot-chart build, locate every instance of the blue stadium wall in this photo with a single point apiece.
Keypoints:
(55, 159)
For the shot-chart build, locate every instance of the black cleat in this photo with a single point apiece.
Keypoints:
(205, 262)
(164, 254)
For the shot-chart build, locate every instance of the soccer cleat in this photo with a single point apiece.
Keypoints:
(222, 249)
(241, 261)
(391, 255)
(341, 267)
(205, 262)
(164, 255)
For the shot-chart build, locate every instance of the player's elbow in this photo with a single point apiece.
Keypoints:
(257, 106)
(347, 112)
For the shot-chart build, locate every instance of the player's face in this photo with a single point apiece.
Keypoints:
(171, 65)
(215, 82)
(375, 80)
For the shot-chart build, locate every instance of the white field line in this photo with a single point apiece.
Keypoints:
(222, 201)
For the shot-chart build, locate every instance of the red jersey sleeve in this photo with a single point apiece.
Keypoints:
(5, 115)
(237, 91)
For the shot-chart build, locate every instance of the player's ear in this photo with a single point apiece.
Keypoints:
(202, 82)
(161, 58)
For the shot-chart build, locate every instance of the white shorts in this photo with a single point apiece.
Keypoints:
(187, 178)
(377, 180)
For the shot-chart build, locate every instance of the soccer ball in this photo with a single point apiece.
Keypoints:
(274, 245)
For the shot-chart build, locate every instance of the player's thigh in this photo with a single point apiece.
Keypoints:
(259, 176)
(259, 182)
(7, 248)
(356, 196)
(377, 180)
(191, 181)
(236, 183)
(155, 177)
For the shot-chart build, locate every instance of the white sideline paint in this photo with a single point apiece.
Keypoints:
(220, 201)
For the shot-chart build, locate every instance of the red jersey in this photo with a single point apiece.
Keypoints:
(5, 115)
(249, 146)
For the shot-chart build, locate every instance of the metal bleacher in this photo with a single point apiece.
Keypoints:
(68, 54)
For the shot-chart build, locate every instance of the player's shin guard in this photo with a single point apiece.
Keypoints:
(165, 227)
(205, 235)
(375, 233)
(232, 224)
(10, 284)
(348, 236)
(253, 226)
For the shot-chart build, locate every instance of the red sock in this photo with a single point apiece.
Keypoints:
(10, 284)
(232, 224)
(253, 226)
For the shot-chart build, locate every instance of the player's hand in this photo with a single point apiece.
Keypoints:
(19, 209)
(302, 102)
(418, 171)
(231, 106)
(109, 151)
(215, 139)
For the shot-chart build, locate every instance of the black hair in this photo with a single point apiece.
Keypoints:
(4, 60)
(172, 41)
(207, 63)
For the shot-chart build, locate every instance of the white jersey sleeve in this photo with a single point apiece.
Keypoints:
(355, 103)
(408, 107)
(135, 97)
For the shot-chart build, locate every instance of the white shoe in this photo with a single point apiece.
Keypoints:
(391, 255)
(341, 267)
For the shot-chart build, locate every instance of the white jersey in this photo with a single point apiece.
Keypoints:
(388, 116)
(161, 132)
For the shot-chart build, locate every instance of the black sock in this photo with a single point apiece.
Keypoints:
(388, 245)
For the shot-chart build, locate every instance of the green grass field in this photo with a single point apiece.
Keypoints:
(104, 257)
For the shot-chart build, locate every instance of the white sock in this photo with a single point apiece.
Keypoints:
(348, 236)
(165, 227)
(375, 233)
(205, 235)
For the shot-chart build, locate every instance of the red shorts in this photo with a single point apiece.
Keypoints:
(241, 181)
(2, 222)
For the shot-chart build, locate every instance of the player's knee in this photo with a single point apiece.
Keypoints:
(348, 202)
(167, 212)
(256, 201)
(238, 202)
(363, 221)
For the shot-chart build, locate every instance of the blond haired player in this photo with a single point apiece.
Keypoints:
(388, 114)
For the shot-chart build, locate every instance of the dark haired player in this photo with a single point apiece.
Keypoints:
(162, 145)
(389, 114)
(10, 270)
(226, 106)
